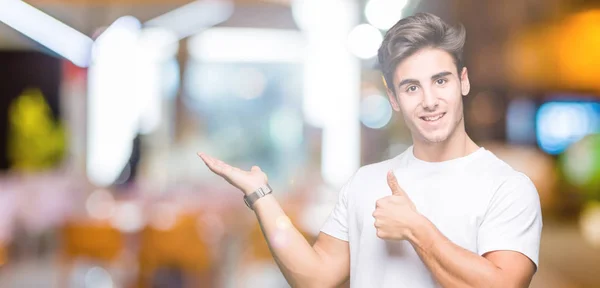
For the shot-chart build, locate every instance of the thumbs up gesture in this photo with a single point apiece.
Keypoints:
(395, 215)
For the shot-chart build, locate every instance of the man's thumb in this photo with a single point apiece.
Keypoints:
(393, 183)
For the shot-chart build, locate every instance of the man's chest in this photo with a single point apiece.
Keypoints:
(452, 202)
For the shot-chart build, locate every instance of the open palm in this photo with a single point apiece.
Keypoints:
(247, 181)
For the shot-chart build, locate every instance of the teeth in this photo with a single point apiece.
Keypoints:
(433, 118)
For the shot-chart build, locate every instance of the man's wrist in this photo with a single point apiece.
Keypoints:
(420, 231)
(256, 195)
(263, 201)
(249, 189)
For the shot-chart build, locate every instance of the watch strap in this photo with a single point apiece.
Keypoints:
(251, 198)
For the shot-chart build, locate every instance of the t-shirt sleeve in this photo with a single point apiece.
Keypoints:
(513, 220)
(337, 223)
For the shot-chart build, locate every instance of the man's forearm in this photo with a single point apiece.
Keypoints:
(296, 258)
(450, 264)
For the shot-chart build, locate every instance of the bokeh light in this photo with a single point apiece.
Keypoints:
(128, 217)
(98, 277)
(286, 128)
(590, 223)
(163, 216)
(559, 124)
(364, 41)
(581, 164)
(100, 204)
(320, 15)
(383, 14)
(250, 83)
(375, 111)
(520, 121)
(283, 222)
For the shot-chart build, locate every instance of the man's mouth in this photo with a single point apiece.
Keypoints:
(432, 118)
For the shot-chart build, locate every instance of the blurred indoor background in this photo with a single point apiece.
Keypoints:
(104, 104)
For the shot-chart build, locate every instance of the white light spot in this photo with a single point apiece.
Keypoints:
(283, 222)
(100, 204)
(383, 14)
(97, 277)
(364, 41)
(128, 218)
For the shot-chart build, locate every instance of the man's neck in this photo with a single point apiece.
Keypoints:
(459, 144)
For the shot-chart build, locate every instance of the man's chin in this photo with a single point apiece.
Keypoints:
(433, 139)
(437, 140)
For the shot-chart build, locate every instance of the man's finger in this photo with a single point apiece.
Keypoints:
(215, 165)
(209, 161)
(393, 183)
(224, 168)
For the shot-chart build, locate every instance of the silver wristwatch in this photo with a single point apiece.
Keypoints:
(251, 198)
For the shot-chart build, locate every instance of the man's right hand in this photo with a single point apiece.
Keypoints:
(326, 264)
(247, 181)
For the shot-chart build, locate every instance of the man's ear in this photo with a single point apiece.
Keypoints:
(465, 85)
(391, 96)
(393, 100)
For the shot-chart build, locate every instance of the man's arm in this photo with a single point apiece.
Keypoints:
(453, 266)
(325, 264)
(396, 218)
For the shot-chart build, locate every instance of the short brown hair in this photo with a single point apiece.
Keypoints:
(409, 35)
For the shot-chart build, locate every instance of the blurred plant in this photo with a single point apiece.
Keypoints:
(581, 166)
(35, 140)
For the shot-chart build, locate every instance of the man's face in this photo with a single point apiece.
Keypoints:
(428, 93)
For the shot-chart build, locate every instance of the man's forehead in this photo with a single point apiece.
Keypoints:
(424, 64)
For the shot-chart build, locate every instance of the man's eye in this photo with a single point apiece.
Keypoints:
(441, 81)
(412, 88)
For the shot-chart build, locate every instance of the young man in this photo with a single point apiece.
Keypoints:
(443, 213)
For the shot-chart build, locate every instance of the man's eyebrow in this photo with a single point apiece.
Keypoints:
(441, 74)
(408, 81)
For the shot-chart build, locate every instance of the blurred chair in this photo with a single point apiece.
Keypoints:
(3, 255)
(180, 247)
(90, 240)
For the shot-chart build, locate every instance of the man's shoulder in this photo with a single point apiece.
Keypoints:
(490, 166)
(502, 174)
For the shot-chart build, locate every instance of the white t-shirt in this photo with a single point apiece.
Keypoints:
(478, 202)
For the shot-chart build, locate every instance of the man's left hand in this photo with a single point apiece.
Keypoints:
(395, 215)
